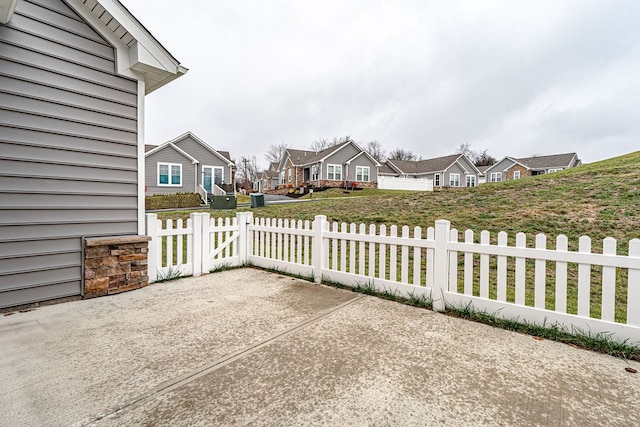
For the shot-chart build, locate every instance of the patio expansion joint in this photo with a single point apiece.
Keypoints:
(182, 380)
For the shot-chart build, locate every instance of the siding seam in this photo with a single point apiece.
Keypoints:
(68, 30)
(79, 64)
(64, 89)
(71, 135)
(45, 6)
(70, 193)
(29, 255)
(41, 285)
(64, 119)
(64, 178)
(66, 104)
(61, 208)
(75, 150)
(57, 42)
(57, 267)
(44, 162)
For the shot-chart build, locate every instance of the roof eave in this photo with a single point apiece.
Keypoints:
(7, 7)
(143, 58)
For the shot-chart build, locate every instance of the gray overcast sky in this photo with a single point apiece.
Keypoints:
(515, 77)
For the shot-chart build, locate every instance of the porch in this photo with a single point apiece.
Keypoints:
(248, 347)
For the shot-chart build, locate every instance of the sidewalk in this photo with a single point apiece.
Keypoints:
(250, 347)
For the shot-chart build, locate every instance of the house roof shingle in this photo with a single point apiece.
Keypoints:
(545, 162)
(425, 166)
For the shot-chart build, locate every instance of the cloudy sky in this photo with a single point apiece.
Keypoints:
(515, 77)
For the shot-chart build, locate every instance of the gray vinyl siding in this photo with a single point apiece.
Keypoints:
(501, 166)
(342, 155)
(169, 155)
(68, 150)
(363, 161)
(204, 156)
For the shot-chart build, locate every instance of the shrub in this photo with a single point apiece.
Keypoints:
(172, 201)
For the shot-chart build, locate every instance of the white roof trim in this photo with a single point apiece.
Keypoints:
(142, 57)
(7, 7)
(204, 145)
(172, 145)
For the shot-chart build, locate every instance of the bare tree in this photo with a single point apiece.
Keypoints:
(478, 158)
(402, 154)
(323, 143)
(247, 171)
(275, 152)
(465, 148)
(374, 148)
(483, 158)
(319, 144)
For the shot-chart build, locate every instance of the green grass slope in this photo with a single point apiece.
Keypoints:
(598, 199)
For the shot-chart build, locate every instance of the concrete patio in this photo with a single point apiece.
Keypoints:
(248, 347)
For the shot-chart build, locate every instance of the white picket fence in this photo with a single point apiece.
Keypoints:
(531, 284)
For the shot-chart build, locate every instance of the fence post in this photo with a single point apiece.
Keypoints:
(441, 264)
(317, 250)
(206, 242)
(196, 250)
(244, 218)
(152, 253)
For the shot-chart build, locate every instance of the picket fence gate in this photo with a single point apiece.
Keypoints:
(437, 264)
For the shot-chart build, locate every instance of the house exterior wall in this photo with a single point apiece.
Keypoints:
(169, 155)
(204, 157)
(509, 173)
(68, 150)
(366, 162)
(501, 166)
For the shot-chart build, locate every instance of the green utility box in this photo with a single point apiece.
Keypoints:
(257, 200)
(224, 202)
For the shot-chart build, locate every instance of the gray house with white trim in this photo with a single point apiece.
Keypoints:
(187, 164)
(332, 167)
(510, 168)
(455, 170)
(74, 77)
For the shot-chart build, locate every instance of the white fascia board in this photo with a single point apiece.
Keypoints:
(145, 59)
(175, 147)
(7, 7)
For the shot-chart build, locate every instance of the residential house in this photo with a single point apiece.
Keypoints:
(455, 170)
(335, 166)
(74, 78)
(268, 179)
(482, 176)
(187, 164)
(515, 168)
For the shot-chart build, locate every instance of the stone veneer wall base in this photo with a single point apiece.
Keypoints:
(115, 264)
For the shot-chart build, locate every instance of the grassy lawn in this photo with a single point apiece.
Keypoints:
(599, 200)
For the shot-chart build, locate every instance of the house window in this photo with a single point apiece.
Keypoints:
(554, 170)
(516, 174)
(454, 180)
(362, 173)
(282, 175)
(334, 172)
(436, 180)
(289, 175)
(170, 174)
(314, 173)
(496, 177)
(471, 180)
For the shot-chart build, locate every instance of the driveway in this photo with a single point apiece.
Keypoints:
(248, 347)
